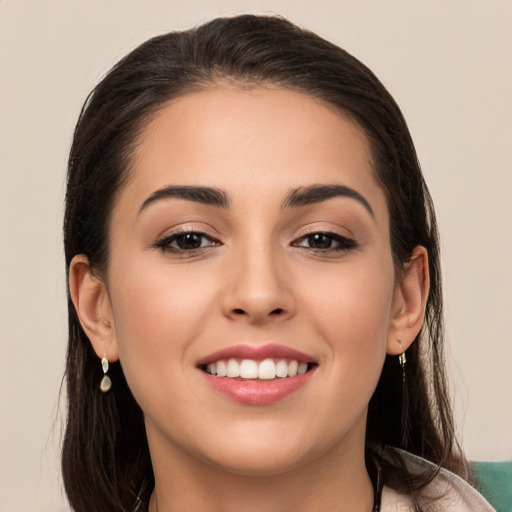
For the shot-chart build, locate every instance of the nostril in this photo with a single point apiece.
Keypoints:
(275, 312)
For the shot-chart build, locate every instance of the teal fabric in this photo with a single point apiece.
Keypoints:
(494, 481)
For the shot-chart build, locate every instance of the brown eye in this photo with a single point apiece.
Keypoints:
(326, 242)
(319, 241)
(189, 241)
(184, 242)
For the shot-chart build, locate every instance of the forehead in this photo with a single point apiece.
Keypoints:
(255, 141)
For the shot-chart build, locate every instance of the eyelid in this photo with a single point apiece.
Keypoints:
(163, 242)
(346, 242)
(326, 227)
(334, 236)
(188, 225)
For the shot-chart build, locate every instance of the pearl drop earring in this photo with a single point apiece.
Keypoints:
(106, 383)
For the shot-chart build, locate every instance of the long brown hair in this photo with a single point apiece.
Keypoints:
(105, 460)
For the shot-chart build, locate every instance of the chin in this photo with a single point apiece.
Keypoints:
(267, 451)
(260, 463)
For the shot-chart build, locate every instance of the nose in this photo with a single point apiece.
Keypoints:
(258, 289)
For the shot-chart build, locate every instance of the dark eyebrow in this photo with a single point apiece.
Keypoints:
(304, 196)
(204, 195)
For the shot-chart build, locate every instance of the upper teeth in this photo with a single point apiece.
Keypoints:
(251, 369)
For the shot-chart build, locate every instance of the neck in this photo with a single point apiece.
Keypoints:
(337, 482)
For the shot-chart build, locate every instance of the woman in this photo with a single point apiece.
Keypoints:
(255, 313)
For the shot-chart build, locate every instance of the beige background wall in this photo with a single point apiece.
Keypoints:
(448, 63)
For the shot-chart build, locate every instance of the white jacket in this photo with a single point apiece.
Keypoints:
(446, 493)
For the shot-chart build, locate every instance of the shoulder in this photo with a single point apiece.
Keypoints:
(447, 492)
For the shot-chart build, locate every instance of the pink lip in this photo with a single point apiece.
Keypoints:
(256, 352)
(255, 391)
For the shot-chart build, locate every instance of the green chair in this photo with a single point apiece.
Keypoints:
(494, 481)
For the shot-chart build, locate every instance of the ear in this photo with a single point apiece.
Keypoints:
(92, 304)
(409, 302)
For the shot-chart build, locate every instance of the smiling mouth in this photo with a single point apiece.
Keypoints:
(266, 369)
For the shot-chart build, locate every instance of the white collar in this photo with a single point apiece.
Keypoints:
(447, 492)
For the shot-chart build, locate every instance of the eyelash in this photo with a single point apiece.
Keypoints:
(164, 244)
(344, 243)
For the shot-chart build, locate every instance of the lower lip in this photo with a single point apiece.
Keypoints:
(257, 392)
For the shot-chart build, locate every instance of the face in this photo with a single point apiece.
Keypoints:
(251, 238)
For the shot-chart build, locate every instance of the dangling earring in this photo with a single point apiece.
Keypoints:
(402, 360)
(106, 383)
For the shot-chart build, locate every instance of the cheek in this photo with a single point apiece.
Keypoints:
(352, 313)
(157, 316)
(354, 304)
(149, 297)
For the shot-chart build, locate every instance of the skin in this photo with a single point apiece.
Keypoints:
(256, 279)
